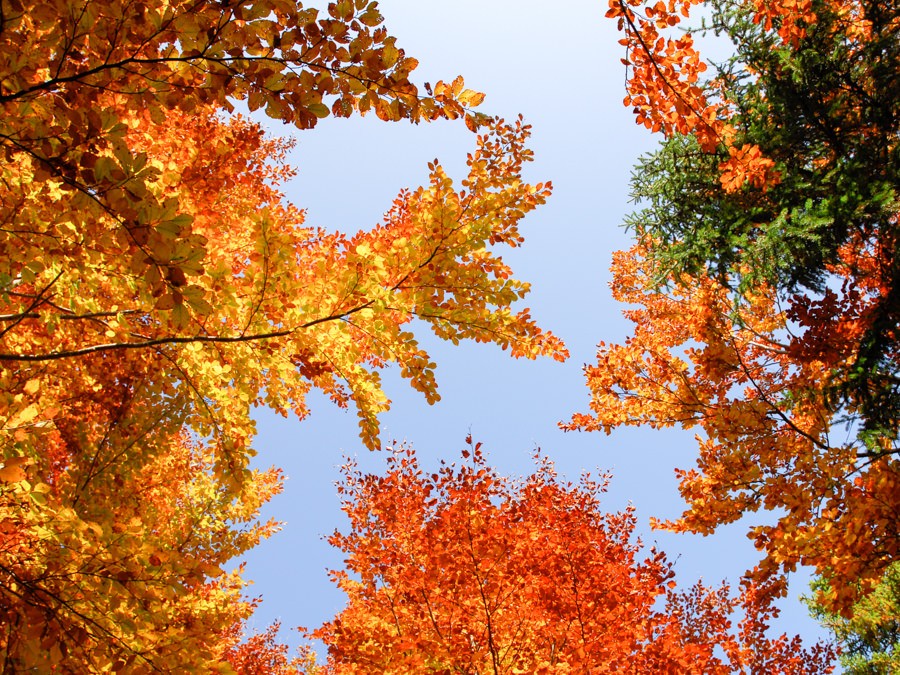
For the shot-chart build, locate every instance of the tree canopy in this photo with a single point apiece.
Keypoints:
(781, 166)
(155, 286)
(467, 571)
(763, 284)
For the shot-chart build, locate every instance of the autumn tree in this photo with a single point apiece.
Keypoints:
(763, 284)
(780, 167)
(263, 654)
(155, 286)
(467, 571)
(114, 543)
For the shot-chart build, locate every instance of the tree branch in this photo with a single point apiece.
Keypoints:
(188, 339)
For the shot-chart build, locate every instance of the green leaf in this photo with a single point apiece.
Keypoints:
(318, 109)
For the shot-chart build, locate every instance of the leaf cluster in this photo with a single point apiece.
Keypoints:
(155, 287)
(464, 570)
(820, 108)
(763, 284)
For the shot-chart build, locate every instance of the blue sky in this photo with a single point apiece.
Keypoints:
(559, 66)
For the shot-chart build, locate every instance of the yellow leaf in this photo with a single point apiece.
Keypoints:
(23, 417)
(13, 469)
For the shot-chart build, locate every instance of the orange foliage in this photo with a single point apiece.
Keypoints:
(114, 544)
(665, 85)
(754, 378)
(199, 281)
(464, 570)
(262, 654)
(155, 287)
(792, 393)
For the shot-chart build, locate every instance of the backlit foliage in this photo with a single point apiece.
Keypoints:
(764, 283)
(467, 571)
(752, 378)
(155, 287)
